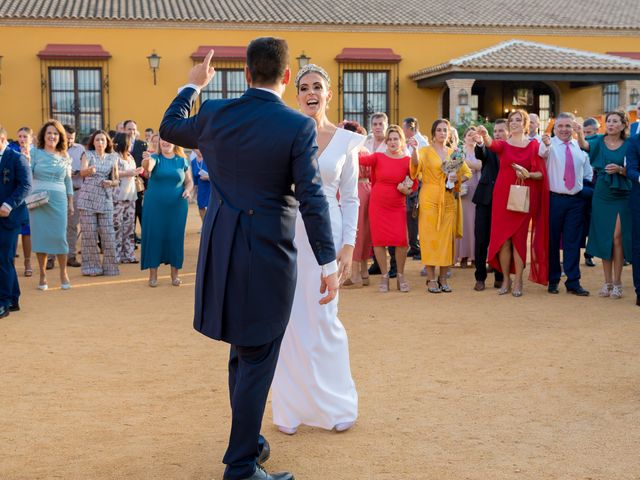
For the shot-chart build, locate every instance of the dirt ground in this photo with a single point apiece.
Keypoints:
(110, 381)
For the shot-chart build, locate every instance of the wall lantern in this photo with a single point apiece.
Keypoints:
(463, 98)
(634, 96)
(154, 64)
(303, 60)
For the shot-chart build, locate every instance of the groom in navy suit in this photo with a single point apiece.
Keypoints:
(15, 183)
(261, 157)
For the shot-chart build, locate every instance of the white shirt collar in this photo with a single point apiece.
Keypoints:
(269, 90)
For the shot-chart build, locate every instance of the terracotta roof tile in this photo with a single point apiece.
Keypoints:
(580, 14)
(521, 56)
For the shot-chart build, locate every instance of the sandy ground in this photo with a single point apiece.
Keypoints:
(109, 380)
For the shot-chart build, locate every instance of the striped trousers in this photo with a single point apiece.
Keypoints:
(93, 224)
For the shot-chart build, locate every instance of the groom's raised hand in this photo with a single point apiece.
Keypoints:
(331, 285)
(202, 73)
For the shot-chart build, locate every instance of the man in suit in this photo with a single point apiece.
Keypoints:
(411, 130)
(255, 148)
(633, 173)
(483, 201)
(15, 183)
(138, 147)
(634, 129)
(567, 169)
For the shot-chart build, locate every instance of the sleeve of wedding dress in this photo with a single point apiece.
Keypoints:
(349, 201)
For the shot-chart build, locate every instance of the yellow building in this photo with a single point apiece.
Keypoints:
(88, 62)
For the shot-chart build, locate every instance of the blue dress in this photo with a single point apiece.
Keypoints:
(204, 186)
(49, 222)
(610, 201)
(164, 214)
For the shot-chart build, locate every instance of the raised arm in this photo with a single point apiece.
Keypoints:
(177, 127)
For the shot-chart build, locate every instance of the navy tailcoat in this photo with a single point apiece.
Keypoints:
(261, 158)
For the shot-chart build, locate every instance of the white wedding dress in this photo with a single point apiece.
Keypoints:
(312, 384)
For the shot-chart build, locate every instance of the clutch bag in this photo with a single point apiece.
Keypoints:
(37, 199)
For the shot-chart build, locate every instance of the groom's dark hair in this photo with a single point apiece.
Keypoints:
(267, 59)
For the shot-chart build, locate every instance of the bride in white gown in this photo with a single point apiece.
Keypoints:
(312, 383)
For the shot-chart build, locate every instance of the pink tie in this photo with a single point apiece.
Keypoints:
(569, 170)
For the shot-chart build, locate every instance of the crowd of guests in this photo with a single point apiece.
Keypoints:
(493, 201)
(94, 191)
(432, 200)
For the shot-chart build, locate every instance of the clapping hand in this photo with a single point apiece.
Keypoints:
(546, 139)
(577, 127)
(612, 168)
(521, 172)
(202, 73)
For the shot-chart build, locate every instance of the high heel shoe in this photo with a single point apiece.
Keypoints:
(401, 283)
(432, 289)
(65, 285)
(444, 287)
(516, 291)
(384, 284)
(504, 289)
(153, 283)
(43, 286)
(616, 291)
(176, 282)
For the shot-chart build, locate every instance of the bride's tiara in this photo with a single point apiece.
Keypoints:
(312, 68)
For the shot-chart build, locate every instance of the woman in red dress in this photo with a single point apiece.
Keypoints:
(519, 160)
(387, 204)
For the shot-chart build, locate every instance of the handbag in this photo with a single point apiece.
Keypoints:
(406, 183)
(518, 197)
(139, 184)
(37, 199)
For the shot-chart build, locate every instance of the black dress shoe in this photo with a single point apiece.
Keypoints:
(553, 288)
(50, 263)
(261, 474)
(14, 307)
(497, 284)
(4, 311)
(638, 301)
(265, 453)
(413, 252)
(393, 272)
(588, 261)
(579, 291)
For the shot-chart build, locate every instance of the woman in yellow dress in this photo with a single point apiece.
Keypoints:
(440, 212)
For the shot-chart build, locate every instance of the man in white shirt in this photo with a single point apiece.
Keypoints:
(375, 143)
(534, 127)
(567, 167)
(75, 152)
(410, 128)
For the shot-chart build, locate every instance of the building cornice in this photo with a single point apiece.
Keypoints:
(338, 28)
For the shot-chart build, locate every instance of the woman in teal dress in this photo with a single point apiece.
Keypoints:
(164, 215)
(51, 167)
(610, 229)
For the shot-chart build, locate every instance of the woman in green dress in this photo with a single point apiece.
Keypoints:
(610, 229)
(164, 215)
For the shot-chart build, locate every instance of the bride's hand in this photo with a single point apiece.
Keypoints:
(345, 259)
